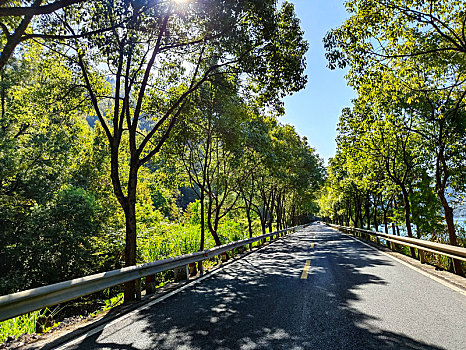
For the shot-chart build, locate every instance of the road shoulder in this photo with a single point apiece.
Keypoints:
(444, 277)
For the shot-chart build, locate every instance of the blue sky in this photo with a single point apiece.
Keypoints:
(314, 111)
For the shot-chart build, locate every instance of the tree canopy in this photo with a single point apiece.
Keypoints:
(407, 128)
(120, 117)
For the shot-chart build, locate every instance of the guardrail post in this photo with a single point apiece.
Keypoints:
(192, 269)
(150, 284)
(138, 289)
(393, 246)
(181, 273)
(422, 257)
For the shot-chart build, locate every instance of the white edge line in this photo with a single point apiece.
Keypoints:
(439, 280)
(153, 302)
(137, 310)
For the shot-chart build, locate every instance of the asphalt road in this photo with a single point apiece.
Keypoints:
(353, 297)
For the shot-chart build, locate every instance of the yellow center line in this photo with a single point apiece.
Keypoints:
(306, 270)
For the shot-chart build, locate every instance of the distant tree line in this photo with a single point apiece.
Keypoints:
(401, 148)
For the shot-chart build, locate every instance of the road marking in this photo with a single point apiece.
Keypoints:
(133, 313)
(439, 280)
(306, 270)
(67, 343)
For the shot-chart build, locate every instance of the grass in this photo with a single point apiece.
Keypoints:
(109, 304)
(14, 327)
(173, 239)
(161, 241)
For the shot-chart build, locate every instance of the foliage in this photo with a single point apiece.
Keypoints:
(111, 109)
(17, 326)
(404, 138)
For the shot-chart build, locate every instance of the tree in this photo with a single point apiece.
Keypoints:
(411, 53)
(140, 77)
(16, 23)
(47, 223)
(208, 144)
(397, 31)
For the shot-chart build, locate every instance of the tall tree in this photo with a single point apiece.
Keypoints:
(411, 52)
(141, 75)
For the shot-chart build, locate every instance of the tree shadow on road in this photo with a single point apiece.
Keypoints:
(261, 302)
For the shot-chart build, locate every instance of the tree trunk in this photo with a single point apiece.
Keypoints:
(130, 249)
(357, 211)
(440, 184)
(451, 230)
(263, 226)
(3, 95)
(203, 190)
(408, 217)
(128, 204)
(348, 212)
(201, 248)
(129, 207)
(271, 210)
(368, 213)
(277, 212)
(212, 230)
(385, 223)
(248, 215)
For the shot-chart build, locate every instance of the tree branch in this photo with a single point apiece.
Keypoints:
(35, 9)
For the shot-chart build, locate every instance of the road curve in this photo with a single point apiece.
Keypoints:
(350, 296)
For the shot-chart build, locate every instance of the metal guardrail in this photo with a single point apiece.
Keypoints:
(420, 244)
(16, 304)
